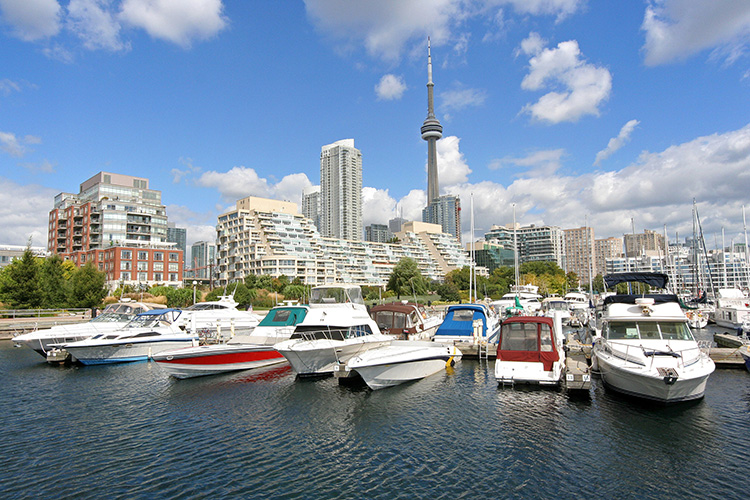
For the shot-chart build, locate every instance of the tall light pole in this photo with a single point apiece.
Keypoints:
(195, 283)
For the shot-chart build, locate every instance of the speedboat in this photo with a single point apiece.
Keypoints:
(242, 352)
(336, 327)
(145, 335)
(530, 351)
(114, 317)
(407, 320)
(467, 323)
(401, 361)
(218, 319)
(646, 348)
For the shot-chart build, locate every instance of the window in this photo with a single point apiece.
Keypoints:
(174, 267)
(173, 277)
(142, 255)
(126, 254)
(173, 256)
(545, 339)
(125, 265)
(142, 276)
(158, 266)
(125, 276)
(142, 266)
(519, 337)
(158, 276)
(158, 256)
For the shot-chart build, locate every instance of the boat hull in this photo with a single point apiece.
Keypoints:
(215, 359)
(402, 362)
(525, 372)
(311, 358)
(648, 384)
(122, 353)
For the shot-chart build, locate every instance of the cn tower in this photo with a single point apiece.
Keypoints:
(431, 132)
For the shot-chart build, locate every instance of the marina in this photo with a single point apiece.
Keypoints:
(130, 431)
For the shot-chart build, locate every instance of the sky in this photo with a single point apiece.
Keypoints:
(611, 114)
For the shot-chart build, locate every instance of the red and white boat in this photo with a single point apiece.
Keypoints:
(240, 353)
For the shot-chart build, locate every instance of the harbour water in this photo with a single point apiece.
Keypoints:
(129, 431)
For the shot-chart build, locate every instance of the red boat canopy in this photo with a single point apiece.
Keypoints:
(529, 339)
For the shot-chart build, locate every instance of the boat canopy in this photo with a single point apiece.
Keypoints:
(284, 316)
(528, 339)
(657, 280)
(459, 321)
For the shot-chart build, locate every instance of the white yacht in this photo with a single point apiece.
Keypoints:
(646, 348)
(407, 320)
(732, 308)
(400, 361)
(114, 317)
(576, 300)
(336, 327)
(145, 335)
(525, 296)
(556, 305)
(218, 318)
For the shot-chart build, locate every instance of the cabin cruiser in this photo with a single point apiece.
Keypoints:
(218, 319)
(556, 305)
(400, 361)
(530, 350)
(523, 296)
(467, 323)
(336, 327)
(576, 300)
(732, 308)
(145, 335)
(242, 352)
(646, 348)
(114, 317)
(406, 320)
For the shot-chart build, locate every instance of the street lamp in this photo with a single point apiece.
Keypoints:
(195, 283)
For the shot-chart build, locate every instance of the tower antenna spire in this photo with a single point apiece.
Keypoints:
(431, 132)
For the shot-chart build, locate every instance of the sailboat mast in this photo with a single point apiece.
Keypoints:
(747, 263)
(515, 250)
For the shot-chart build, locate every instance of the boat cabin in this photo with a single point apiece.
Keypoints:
(460, 323)
(398, 318)
(528, 338)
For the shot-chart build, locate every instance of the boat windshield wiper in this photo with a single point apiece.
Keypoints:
(661, 353)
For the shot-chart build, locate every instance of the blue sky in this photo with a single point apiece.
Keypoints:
(578, 112)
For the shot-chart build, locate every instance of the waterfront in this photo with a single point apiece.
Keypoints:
(129, 431)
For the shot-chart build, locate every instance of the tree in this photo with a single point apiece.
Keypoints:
(448, 292)
(294, 292)
(87, 287)
(53, 283)
(19, 286)
(406, 278)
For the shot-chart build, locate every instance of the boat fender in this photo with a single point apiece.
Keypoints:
(450, 362)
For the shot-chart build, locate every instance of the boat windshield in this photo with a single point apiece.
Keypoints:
(648, 330)
(336, 295)
(109, 317)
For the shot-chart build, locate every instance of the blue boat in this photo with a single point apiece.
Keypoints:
(459, 324)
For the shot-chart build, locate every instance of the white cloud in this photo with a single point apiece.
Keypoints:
(579, 87)
(240, 182)
(177, 21)
(377, 206)
(461, 98)
(199, 226)
(390, 87)
(539, 163)
(452, 167)
(15, 146)
(386, 28)
(677, 29)
(8, 86)
(616, 143)
(290, 188)
(188, 171)
(25, 213)
(32, 20)
(95, 25)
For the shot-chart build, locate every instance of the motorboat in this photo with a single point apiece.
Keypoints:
(697, 318)
(468, 323)
(148, 333)
(242, 352)
(732, 308)
(407, 320)
(556, 305)
(336, 327)
(576, 300)
(400, 361)
(114, 317)
(646, 348)
(744, 351)
(530, 351)
(522, 299)
(218, 320)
